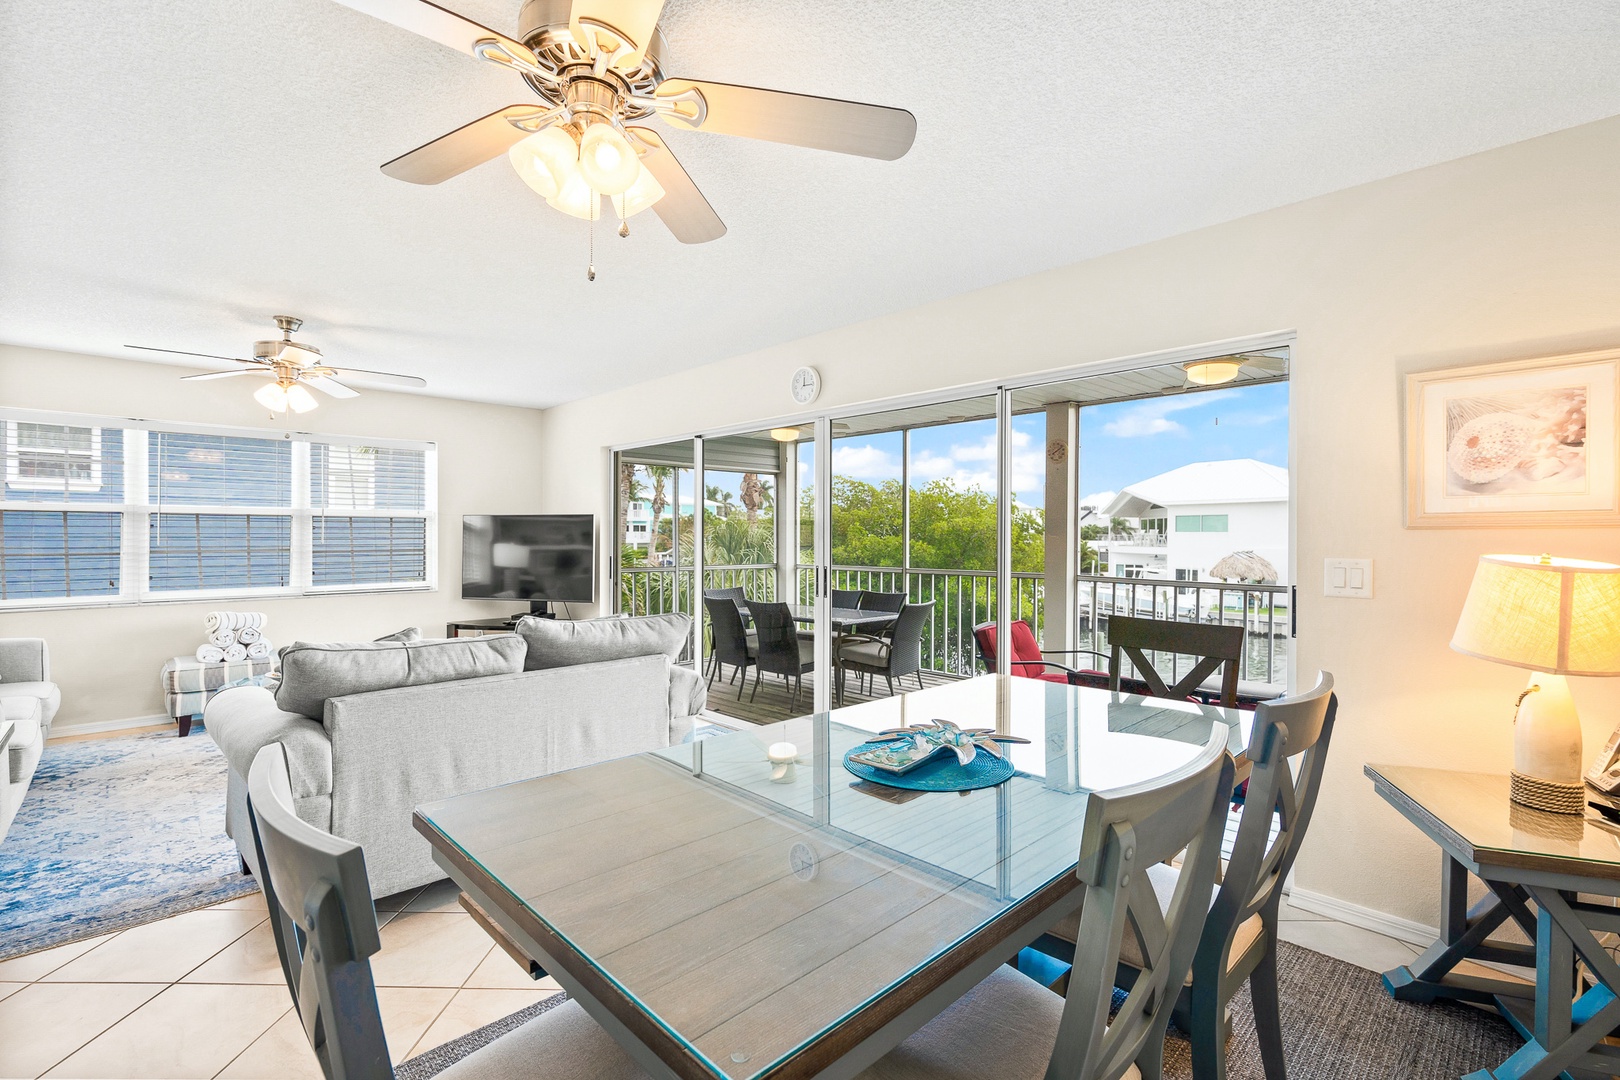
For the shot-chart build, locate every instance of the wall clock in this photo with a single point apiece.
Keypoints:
(806, 385)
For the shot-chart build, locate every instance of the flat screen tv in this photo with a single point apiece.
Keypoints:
(538, 558)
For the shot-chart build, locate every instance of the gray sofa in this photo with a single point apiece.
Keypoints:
(28, 700)
(371, 756)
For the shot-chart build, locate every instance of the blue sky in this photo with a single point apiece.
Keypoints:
(1120, 444)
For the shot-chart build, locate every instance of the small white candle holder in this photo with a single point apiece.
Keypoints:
(783, 756)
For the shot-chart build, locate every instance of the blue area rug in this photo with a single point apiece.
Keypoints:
(114, 833)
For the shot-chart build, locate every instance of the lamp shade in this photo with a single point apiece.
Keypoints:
(1558, 616)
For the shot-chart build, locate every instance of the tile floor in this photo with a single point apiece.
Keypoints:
(201, 994)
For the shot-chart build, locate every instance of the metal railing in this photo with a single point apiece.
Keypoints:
(964, 599)
(1262, 610)
(1141, 539)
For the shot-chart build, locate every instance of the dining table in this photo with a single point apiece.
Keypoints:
(741, 907)
(840, 620)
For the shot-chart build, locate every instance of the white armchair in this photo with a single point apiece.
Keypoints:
(28, 702)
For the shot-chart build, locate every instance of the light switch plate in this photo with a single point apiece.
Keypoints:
(1347, 577)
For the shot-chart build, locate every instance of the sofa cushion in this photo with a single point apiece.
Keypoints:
(47, 694)
(555, 643)
(410, 633)
(23, 713)
(312, 673)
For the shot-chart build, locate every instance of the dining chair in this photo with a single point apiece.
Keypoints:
(1288, 747)
(1012, 1028)
(325, 926)
(846, 598)
(735, 594)
(778, 648)
(1216, 648)
(894, 658)
(1028, 659)
(731, 642)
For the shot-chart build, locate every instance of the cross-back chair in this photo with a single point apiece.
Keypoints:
(1216, 647)
(1012, 1028)
(325, 927)
(1288, 748)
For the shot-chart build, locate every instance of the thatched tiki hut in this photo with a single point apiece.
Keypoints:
(1245, 566)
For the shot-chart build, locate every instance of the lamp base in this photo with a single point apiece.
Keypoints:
(1547, 795)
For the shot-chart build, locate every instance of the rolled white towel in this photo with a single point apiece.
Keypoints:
(235, 652)
(221, 639)
(259, 650)
(248, 635)
(210, 654)
(233, 620)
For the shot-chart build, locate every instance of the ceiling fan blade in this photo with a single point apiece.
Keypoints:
(331, 387)
(182, 352)
(1276, 365)
(444, 26)
(471, 144)
(635, 19)
(845, 127)
(222, 374)
(683, 208)
(378, 376)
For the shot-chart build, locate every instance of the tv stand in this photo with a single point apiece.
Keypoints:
(540, 609)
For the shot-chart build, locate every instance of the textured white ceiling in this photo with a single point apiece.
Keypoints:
(174, 172)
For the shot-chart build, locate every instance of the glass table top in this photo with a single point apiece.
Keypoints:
(748, 916)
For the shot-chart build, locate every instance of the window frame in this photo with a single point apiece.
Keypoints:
(138, 505)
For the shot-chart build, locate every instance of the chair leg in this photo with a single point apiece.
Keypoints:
(1267, 1018)
(744, 686)
(757, 678)
(919, 680)
(1207, 1031)
(890, 681)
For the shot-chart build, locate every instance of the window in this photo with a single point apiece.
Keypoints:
(99, 512)
(1186, 575)
(53, 457)
(1214, 523)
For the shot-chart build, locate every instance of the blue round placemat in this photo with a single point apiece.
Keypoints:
(940, 773)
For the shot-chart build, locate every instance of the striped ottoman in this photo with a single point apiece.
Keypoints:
(188, 684)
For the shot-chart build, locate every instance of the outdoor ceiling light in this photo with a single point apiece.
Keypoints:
(1221, 369)
(785, 434)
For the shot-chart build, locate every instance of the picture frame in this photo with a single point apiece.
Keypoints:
(1519, 443)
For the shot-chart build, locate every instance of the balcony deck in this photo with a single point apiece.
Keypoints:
(772, 703)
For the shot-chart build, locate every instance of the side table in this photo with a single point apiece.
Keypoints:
(189, 684)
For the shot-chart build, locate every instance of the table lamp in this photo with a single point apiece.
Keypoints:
(1556, 617)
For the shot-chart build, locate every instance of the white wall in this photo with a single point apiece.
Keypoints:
(1260, 527)
(1510, 253)
(107, 659)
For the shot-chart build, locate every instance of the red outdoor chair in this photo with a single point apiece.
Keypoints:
(1028, 662)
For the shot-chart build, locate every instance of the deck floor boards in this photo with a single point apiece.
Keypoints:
(772, 703)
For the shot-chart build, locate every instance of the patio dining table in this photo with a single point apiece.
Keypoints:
(841, 620)
(724, 919)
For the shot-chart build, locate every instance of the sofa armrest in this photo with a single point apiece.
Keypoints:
(24, 659)
(688, 693)
(244, 719)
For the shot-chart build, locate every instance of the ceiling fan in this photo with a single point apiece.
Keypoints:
(292, 366)
(1214, 370)
(597, 67)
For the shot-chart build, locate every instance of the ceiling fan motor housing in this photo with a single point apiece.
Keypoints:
(543, 26)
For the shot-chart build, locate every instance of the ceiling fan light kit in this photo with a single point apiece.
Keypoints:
(1213, 372)
(597, 67)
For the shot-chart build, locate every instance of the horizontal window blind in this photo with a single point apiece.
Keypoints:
(92, 509)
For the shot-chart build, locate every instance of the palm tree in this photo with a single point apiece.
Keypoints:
(660, 475)
(724, 500)
(733, 541)
(629, 492)
(753, 496)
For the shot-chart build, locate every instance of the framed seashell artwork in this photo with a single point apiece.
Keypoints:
(1525, 442)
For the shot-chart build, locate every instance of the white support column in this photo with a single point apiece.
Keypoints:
(1062, 532)
(787, 524)
(697, 552)
(823, 558)
(1003, 531)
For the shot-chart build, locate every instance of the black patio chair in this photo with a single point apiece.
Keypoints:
(778, 649)
(730, 641)
(894, 658)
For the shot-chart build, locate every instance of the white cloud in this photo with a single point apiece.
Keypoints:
(866, 462)
(1098, 499)
(973, 465)
(1153, 417)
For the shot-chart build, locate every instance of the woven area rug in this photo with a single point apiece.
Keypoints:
(1338, 1024)
(114, 833)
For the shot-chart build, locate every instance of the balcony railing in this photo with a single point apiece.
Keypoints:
(965, 598)
(1130, 539)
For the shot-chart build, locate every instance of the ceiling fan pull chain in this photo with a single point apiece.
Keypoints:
(590, 266)
(624, 225)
